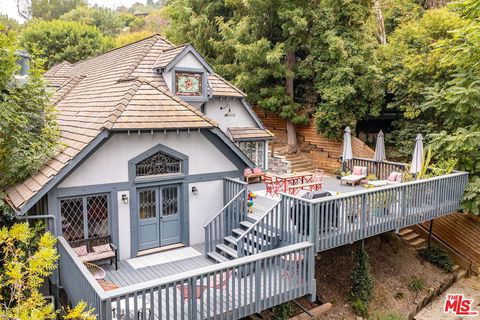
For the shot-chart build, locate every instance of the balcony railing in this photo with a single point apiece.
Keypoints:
(228, 290)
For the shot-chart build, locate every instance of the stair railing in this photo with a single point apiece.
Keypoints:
(224, 221)
(263, 235)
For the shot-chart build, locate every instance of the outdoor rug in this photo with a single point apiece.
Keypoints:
(163, 257)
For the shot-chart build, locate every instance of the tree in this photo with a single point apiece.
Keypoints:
(362, 283)
(46, 9)
(347, 79)
(8, 23)
(28, 256)
(106, 20)
(28, 130)
(60, 40)
(455, 103)
(130, 37)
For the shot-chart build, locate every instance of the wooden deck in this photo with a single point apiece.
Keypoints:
(126, 275)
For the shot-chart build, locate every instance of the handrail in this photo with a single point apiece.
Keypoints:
(224, 207)
(207, 269)
(256, 223)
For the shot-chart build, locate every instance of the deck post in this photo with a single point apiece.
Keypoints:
(430, 231)
(258, 286)
(312, 289)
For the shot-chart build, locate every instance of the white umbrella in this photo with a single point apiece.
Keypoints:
(417, 155)
(347, 145)
(380, 148)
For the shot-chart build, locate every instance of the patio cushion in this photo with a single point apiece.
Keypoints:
(393, 176)
(378, 183)
(247, 172)
(102, 248)
(92, 256)
(353, 177)
(80, 251)
(357, 171)
(257, 171)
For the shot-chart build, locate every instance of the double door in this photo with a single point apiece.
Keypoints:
(158, 216)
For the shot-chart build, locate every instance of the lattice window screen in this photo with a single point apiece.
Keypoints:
(97, 216)
(72, 218)
(158, 164)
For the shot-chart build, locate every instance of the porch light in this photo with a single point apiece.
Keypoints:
(229, 113)
(194, 190)
(124, 199)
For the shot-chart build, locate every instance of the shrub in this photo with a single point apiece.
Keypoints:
(399, 295)
(360, 307)
(362, 283)
(438, 256)
(388, 316)
(416, 284)
(282, 312)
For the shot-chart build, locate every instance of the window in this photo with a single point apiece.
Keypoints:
(189, 84)
(158, 164)
(255, 150)
(84, 217)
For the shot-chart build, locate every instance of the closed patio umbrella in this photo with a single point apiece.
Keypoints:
(417, 155)
(347, 147)
(380, 148)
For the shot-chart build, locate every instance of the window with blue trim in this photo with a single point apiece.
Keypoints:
(158, 164)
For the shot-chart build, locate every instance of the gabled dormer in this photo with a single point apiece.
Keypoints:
(185, 72)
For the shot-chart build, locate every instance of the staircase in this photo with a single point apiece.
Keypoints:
(316, 151)
(252, 243)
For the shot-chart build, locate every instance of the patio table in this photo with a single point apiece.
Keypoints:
(291, 179)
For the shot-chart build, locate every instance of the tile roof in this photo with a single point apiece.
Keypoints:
(115, 90)
(249, 133)
(223, 88)
(168, 55)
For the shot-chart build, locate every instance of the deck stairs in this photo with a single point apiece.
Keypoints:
(414, 239)
(228, 249)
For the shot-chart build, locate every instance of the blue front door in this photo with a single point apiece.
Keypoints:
(158, 216)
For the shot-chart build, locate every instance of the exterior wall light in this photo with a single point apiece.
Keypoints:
(124, 199)
(194, 190)
(229, 113)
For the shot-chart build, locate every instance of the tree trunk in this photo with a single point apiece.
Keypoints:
(292, 142)
(380, 23)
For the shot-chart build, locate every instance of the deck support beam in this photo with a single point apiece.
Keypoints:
(430, 231)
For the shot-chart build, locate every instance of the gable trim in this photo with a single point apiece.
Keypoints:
(79, 158)
(183, 53)
(252, 113)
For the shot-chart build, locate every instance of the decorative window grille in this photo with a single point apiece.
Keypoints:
(84, 217)
(147, 204)
(169, 201)
(158, 164)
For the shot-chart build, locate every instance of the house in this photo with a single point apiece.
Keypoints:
(142, 125)
(153, 148)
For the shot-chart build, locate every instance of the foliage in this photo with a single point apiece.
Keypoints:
(361, 291)
(49, 9)
(106, 20)
(130, 37)
(347, 78)
(7, 23)
(28, 130)
(64, 40)
(471, 198)
(282, 311)
(416, 284)
(399, 295)
(438, 256)
(398, 12)
(387, 316)
(28, 256)
(426, 159)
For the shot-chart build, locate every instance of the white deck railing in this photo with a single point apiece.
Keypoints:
(228, 290)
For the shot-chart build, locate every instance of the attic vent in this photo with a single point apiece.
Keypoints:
(158, 164)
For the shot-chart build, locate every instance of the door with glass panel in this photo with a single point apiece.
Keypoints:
(158, 216)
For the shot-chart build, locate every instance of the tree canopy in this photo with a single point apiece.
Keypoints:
(58, 40)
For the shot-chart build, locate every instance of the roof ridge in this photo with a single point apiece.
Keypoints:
(170, 95)
(139, 58)
(229, 83)
(67, 86)
(122, 104)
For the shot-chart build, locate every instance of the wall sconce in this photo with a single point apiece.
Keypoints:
(229, 113)
(194, 190)
(124, 199)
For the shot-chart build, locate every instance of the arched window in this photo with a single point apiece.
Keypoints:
(158, 164)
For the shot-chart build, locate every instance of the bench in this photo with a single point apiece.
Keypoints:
(311, 186)
(256, 174)
(96, 249)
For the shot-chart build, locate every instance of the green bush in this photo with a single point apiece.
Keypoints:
(360, 307)
(438, 256)
(388, 316)
(416, 284)
(362, 283)
(282, 312)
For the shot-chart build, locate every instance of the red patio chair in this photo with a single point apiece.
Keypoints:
(272, 186)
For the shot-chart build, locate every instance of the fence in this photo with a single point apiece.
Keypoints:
(333, 221)
(381, 169)
(232, 289)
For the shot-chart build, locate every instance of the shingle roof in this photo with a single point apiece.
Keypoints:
(223, 88)
(168, 55)
(249, 133)
(116, 90)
